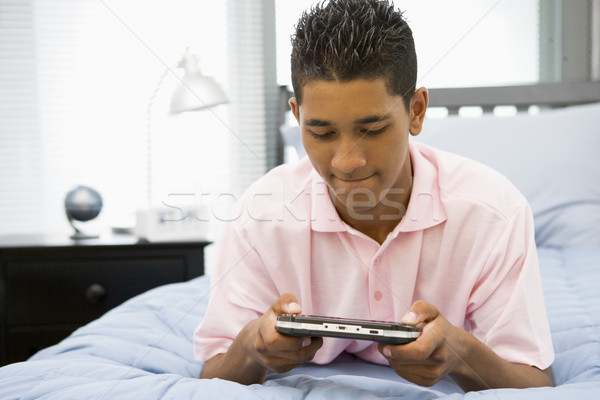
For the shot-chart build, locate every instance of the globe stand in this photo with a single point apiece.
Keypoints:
(78, 235)
(82, 204)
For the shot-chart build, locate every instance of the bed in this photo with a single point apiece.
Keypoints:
(142, 349)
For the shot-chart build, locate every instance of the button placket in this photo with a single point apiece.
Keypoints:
(377, 289)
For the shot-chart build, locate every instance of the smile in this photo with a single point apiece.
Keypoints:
(353, 179)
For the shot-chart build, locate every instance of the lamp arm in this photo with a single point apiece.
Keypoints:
(153, 97)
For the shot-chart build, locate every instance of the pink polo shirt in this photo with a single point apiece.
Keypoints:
(466, 245)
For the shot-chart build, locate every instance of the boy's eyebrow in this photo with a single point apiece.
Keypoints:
(371, 120)
(317, 122)
(361, 121)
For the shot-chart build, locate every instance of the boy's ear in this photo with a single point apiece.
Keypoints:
(418, 106)
(295, 108)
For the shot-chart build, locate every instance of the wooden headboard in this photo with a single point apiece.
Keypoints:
(544, 95)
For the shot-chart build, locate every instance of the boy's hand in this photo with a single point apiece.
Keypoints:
(433, 355)
(274, 351)
(444, 349)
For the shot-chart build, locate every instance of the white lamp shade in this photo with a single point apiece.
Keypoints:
(195, 91)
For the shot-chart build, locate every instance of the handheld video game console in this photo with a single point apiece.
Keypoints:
(378, 331)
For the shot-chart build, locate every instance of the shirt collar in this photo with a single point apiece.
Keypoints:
(425, 207)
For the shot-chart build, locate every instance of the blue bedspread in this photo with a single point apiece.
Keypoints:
(143, 350)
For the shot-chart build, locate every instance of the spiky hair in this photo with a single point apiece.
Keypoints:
(345, 40)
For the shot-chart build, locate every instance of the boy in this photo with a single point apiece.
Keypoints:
(374, 226)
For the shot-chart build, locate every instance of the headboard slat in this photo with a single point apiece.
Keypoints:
(559, 94)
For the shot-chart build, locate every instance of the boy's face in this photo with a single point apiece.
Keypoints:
(356, 136)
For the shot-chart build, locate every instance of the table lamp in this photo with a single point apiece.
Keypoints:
(195, 90)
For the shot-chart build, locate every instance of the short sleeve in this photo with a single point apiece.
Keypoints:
(241, 291)
(506, 308)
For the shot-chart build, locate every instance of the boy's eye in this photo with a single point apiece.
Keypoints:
(373, 131)
(324, 135)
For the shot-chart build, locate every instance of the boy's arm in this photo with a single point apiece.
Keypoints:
(444, 349)
(259, 348)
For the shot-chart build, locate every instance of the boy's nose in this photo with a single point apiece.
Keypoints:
(349, 158)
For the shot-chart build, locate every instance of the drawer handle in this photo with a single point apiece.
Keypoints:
(95, 293)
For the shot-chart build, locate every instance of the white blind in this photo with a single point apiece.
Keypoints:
(80, 92)
(255, 93)
(20, 147)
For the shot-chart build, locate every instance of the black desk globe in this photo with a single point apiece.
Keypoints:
(82, 204)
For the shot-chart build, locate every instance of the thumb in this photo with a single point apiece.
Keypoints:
(420, 312)
(286, 304)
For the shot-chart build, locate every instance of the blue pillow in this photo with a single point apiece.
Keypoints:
(551, 157)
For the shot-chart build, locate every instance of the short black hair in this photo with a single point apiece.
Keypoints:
(345, 40)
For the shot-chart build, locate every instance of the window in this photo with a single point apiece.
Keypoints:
(459, 43)
(83, 83)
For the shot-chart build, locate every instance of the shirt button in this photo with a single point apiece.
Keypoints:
(378, 295)
(376, 261)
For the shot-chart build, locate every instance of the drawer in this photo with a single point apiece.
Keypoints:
(75, 292)
(23, 343)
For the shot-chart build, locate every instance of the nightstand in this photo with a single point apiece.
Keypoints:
(50, 286)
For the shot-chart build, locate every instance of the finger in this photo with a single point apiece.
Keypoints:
(268, 337)
(315, 344)
(420, 313)
(409, 364)
(288, 343)
(417, 351)
(433, 369)
(286, 304)
(303, 354)
(273, 341)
